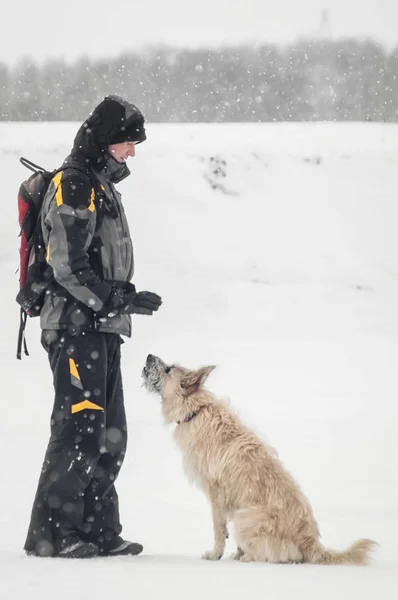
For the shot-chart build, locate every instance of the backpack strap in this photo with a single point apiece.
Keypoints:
(31, 166)
(21, 334)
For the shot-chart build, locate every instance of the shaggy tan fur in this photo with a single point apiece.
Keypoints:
(242, 476)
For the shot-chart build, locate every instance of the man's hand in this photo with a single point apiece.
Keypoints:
(141, 303)
(125, 300)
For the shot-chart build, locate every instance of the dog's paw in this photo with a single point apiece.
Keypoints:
(211, 555)
(246, 558)
(237, 555)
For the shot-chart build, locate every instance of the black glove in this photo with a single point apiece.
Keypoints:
(125, 300)
(140, 303)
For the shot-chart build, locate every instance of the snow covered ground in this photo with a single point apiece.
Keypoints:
(275, 249)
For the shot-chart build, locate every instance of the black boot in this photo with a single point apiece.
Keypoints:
(76, 548)
(120, 547)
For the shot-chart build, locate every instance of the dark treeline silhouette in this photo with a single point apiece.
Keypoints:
(309, 80)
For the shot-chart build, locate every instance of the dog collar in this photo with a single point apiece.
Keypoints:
(190, 416)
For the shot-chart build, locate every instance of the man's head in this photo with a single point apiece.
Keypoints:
(131, 130)
(111, 132)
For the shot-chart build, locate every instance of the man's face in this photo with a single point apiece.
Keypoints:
(122, 151)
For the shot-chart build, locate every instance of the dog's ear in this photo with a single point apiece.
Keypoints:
(194, 379)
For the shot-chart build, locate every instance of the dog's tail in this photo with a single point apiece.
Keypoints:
(357, 554)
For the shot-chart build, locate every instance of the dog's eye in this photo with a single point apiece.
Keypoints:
(167, 369)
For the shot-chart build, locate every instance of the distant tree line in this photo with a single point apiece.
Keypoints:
(310, 80)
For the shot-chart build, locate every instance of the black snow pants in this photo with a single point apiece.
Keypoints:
(76, 496)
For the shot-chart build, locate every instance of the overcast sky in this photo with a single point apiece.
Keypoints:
(44, 28)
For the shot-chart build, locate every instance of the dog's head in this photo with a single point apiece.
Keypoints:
(178, 387)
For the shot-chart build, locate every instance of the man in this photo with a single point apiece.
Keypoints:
(87, 310)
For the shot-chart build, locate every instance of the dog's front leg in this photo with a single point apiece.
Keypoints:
(220, 530)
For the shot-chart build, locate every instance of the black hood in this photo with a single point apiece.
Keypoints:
(114, 120)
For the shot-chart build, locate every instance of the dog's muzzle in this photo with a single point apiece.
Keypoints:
(151, 373)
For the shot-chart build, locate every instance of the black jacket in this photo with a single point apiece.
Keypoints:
(85, 231)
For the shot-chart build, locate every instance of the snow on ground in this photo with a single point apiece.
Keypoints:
(275, 249)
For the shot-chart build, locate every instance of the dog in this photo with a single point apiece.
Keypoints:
(241, 476)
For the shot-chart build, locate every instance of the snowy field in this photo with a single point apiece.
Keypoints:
(275, 248)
